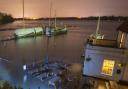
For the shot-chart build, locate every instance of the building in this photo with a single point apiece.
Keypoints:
(108, 59)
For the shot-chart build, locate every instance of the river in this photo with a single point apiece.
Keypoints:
(67, 48)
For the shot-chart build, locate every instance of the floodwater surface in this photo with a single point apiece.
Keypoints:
(67, 48)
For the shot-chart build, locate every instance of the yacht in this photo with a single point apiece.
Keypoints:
(97, 35)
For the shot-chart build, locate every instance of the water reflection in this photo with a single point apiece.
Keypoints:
(4, 72)
(25, 78)
(67, 48)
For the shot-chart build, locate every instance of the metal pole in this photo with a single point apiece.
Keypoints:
(55, 18)
(23, 13)
(50, 13)
(98, 27)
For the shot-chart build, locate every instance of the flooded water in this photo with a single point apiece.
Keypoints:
(67, 48)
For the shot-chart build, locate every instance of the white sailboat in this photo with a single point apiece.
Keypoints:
(54, 30)
(97, 35)
(27, 32)
(48, 30)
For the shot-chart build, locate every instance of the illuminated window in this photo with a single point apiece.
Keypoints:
(107, 68)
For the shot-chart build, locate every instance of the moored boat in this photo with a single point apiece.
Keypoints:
(52, 31)
(28, 32)
(97, 35)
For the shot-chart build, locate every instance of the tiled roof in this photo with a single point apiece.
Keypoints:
(123, 27)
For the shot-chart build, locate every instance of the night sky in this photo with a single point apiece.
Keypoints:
(65, 8)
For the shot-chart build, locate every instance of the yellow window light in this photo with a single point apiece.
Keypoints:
(108, 66)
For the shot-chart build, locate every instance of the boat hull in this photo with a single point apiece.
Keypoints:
(51, 31)
(60, 31)
(28, 32)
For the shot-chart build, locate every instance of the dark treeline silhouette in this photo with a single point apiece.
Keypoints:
(5, 18)
(25, 18)
(108, 18)
(113, 18)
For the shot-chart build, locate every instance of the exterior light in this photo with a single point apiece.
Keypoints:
(24, 67)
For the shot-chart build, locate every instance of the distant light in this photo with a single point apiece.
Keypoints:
(34, 18)
(24, 67)
(78, 17)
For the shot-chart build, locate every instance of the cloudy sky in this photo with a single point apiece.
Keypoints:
(65, 8)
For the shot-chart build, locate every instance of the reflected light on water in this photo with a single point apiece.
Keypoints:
(25, 78)
(4, 74)
(101, 87)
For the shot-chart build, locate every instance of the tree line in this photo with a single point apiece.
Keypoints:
(5, 18)
(108, 18)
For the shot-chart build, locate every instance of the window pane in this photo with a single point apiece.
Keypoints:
(107, 67)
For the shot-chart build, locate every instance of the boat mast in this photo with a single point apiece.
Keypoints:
(98, 26)
(23, 13)
(50, 13)
(55, 18)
